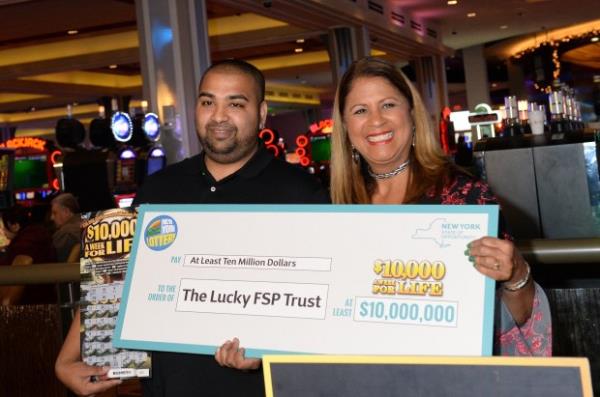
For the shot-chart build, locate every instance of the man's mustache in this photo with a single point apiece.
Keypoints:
(220, 126)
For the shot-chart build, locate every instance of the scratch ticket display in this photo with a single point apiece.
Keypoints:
(107, 238)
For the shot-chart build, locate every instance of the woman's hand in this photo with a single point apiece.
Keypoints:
(497, 259)
(231, 355)
(500, 260)
(83, 379)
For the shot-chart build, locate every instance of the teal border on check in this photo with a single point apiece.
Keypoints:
(489, 287)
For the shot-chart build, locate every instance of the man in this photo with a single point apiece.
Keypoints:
(65, 215)
(233, 168)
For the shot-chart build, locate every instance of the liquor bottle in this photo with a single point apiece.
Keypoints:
(512, 126)
(542, 107)
(568, 111)
(578, 117)
(523, 107)
(576, 113)
(557, 121)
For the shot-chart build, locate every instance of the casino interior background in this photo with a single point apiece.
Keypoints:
(56, 54)
(59, 52)
(78, 55)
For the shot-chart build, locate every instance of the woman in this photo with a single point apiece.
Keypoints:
(30, 243)
(385, 152)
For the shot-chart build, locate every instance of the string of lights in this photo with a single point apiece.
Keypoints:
(591, 36)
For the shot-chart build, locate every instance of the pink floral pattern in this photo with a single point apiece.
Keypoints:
(534, 338)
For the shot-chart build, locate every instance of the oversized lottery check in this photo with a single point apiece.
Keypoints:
(352, 279)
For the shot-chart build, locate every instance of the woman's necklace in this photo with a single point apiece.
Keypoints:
(390, 174)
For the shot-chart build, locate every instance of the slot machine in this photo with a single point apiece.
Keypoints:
(155, 157)
(314, 149)
(143, 155)
(33, 178)
(7, 158)
(83, 172)
(126, 159)
(7, 164)
(273, 142)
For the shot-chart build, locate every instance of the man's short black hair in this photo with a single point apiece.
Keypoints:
(242, 67)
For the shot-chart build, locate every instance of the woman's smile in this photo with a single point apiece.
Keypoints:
(380, 137)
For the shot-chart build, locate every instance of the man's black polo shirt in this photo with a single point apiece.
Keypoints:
(262, 180)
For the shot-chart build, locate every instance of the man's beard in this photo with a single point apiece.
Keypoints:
(231, 149)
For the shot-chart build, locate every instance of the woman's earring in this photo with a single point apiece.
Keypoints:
(355, 156)
(414, 135)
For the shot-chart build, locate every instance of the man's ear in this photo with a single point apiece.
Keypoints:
(263, 110)
(66, 212)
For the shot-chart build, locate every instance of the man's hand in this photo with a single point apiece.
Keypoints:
(231, 355)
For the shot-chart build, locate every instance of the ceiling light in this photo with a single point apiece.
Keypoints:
(471, 15)
(494, 85)
(595, 39)
(297, 50)
(300, 41)
(72, 31)
(452, 2)
(112, 66)
(504, 27)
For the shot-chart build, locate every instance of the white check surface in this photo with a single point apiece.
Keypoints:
(378, 280)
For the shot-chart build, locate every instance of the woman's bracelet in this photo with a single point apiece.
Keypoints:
(521, 283)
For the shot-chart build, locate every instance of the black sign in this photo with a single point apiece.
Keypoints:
(427, 376)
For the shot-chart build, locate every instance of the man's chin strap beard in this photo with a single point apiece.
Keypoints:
(223, 159)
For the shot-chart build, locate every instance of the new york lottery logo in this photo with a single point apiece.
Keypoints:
(160, 233)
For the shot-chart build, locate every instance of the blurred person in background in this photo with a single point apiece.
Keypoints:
(66, 218)
(30, 243)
